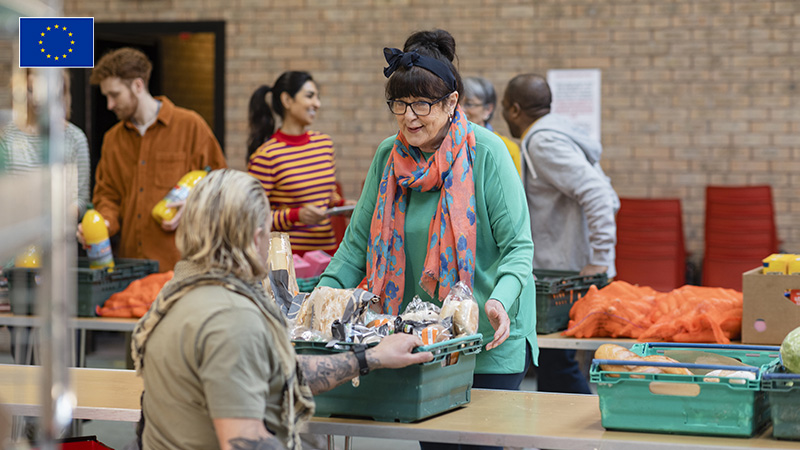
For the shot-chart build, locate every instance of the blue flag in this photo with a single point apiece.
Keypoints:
(56, 41)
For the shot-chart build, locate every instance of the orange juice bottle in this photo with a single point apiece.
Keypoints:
(178, 193)
(30, 258)
(98, 246)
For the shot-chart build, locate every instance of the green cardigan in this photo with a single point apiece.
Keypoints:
(503, 254)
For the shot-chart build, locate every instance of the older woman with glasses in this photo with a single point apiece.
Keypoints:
(442, 204)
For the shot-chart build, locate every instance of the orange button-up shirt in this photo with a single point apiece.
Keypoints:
(136, 171)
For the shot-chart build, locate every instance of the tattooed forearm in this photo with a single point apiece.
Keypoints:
(325, 372)
(265, 443)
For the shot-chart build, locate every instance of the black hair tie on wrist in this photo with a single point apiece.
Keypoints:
(396, 58)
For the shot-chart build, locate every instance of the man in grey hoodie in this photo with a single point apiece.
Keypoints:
(571, 202)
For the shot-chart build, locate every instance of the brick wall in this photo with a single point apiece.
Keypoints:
(694, 92)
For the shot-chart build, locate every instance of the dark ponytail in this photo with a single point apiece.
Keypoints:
(261, 119)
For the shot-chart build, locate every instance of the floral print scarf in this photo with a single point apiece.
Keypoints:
(450, 255)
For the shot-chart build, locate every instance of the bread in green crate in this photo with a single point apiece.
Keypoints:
(790, 351)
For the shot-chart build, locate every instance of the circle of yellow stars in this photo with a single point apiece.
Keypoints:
(56, 28)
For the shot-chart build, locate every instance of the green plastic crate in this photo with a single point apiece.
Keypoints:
(94, 285)
(403, 395)
(556, 292)
(685, 404)
(783, 390)
(307, 284)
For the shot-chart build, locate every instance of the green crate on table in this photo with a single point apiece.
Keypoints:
(685, 404)
(307, 284)
(783, 391)
(94, 285)
(556, 292)
(403, 395)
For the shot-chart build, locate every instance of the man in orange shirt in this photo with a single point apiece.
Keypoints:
(143, 156)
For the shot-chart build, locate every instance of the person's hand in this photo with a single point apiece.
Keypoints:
(591, 269)
(350, 203)
(498, 317)
(394, 352)
(312, 215)
(81, 238)
(172, 224)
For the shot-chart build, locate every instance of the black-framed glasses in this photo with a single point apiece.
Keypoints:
(420, 108)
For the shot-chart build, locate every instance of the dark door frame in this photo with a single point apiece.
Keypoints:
(116, 30)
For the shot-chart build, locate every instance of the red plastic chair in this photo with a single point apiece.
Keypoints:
(739, 195)
(726, 272)
(661, 274)
(650, 243)
(739, 232)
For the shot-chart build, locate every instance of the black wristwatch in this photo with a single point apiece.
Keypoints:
(360, 351)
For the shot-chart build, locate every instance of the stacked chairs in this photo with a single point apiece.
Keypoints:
(650, 244)
(739, 232)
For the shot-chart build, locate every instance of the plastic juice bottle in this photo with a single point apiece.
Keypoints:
(30, 258)
(95, 234)
(178, 193)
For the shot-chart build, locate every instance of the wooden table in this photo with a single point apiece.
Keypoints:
(556, 340)
(22, 324)
(517, 419)
(552, 340)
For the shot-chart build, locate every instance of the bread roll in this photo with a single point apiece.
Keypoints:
(667, 359)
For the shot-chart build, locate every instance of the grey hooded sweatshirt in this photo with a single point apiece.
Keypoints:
(571, 201)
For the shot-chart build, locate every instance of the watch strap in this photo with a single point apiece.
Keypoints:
(360, 350)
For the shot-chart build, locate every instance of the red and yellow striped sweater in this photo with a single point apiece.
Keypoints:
(295, 171)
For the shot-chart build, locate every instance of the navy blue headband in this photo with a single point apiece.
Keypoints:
(396, 58)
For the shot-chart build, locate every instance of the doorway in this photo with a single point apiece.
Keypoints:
(188, 67)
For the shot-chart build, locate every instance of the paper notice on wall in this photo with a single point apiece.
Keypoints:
(576, 94)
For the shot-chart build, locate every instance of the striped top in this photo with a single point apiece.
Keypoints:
(296, 171)
(21, 153)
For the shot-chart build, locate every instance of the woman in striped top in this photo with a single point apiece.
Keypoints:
(296, 167)
(22, 151)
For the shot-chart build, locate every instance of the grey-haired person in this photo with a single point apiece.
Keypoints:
(480, 103)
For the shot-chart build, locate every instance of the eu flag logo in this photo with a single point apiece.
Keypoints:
(56, 41)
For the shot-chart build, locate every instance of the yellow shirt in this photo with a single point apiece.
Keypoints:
(513, 150)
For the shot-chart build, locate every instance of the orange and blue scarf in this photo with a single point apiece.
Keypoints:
(450, 255)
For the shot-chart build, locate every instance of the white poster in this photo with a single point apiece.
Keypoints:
(576, 94)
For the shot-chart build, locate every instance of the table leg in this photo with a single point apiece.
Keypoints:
(82, 349)
(331, 443)
(348, 443)
(20, 333)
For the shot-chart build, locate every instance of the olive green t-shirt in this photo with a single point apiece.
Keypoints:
(209, 358)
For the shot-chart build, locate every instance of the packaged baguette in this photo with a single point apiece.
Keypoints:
(463, 308)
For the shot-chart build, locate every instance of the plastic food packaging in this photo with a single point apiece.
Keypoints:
(462, 307)
(421, 311)
(179, 193)
(327, 307)
(98, 246)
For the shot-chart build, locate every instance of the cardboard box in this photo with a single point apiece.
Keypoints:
(771, 307)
